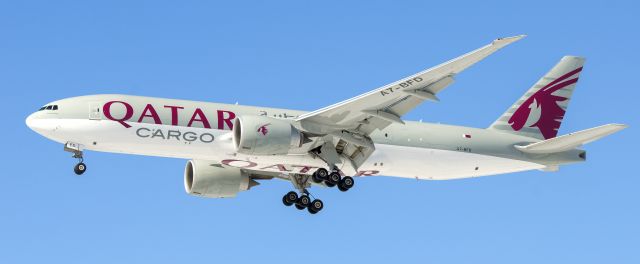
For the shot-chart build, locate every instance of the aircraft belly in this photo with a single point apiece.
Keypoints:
(437, 164)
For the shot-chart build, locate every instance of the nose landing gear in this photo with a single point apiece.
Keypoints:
(80, 168)
(76, 149)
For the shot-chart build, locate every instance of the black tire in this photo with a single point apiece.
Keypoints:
(319, 175)
(315, 206)
(329, 184)
(299, 207)
(334, 178)
(347, 182)
(315, 178)
(80, 168)
(290, 198)
(303, 201)
(342, 188)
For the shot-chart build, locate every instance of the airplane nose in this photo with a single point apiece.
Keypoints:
(42, 126)
(30, 121)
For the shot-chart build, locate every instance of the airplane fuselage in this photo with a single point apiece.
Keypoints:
(200, 130)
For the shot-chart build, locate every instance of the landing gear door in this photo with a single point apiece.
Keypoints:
(94, 111)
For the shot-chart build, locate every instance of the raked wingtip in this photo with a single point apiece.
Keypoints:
(508, 40)
(620, 126)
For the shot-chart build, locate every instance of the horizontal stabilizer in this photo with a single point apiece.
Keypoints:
(572, 140)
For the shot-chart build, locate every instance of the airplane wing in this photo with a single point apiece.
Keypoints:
(386, 105)
(354, 119)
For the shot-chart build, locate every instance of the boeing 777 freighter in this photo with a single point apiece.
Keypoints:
(231, 147)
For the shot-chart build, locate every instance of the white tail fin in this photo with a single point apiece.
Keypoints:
(571, 141)
(539, 112)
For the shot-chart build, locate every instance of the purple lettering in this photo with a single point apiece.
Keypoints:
(106, 109)
(174, 113)
(367, 173)
(222, 120)
(303, 168)
(200, 118)
(149, 111)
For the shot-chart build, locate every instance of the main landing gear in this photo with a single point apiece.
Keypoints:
(303, 201)
(76, 149)
(333, 179)
(320, 176)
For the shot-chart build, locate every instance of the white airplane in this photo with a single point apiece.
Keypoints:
(230, 147)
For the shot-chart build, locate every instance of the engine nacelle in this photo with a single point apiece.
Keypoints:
(201, 178)
(259, 135)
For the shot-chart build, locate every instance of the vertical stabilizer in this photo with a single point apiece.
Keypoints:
(539, 112)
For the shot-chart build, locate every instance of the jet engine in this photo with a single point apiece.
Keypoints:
(258, 135)
(207, 179)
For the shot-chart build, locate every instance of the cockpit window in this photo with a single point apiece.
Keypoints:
(49, 107)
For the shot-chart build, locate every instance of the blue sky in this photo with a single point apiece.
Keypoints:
(131, 209)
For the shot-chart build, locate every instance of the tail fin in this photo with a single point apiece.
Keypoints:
(539, 112)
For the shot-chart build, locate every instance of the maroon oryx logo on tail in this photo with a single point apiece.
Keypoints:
(541, 109)
(263, 129)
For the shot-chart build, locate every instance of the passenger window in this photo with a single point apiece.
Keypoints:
(49, 107)
(55, 107)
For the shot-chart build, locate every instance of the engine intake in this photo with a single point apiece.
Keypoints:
(258, 135)
(202, 178)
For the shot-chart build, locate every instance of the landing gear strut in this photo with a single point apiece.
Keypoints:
(76, 149)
